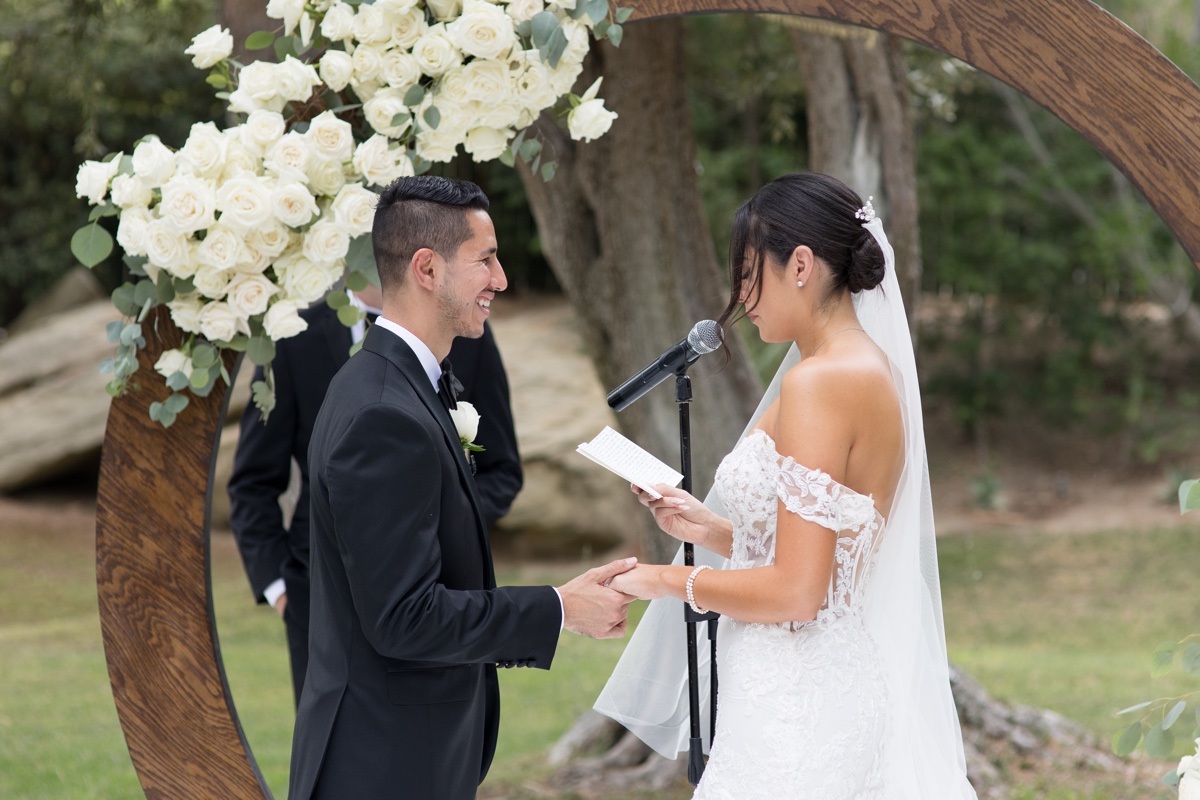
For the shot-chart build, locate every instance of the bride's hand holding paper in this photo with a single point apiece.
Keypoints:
(682, 516)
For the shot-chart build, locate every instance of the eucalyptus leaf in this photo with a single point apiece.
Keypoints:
(264, 398)
(199, 379)
(401, 120)
(261, 350)
(336, 300)
(217, 81)
(1159, 742)
(136, 264)
(204, 355)
(176, 403)
(552, 51)
(525, 29)
(122, 298)
(507, 159)
(600, 28)
(130, 334)
(142, 291)
(354, 348)
(414, 95)
(115, 388)
(530, 149)
(113, 330)
(518, 140)
(147, 304)
(1160, 662)
(357, 281)
(615, 34)
(348, 315)
(1171, 778)
(184, 285)
(1125, 742)
(596, 9)
(177, 381)
(239, 341)
(106, 210)
(284, 47)
(623, 14)
(542, 25)
(260, 40)
(432, 117)
(107, 365)
(1189, 496)
(548, 170)
(1191, 658)
(164, 290)
(126, 167)
(1174, 714)
(91, 244)
(360, 257)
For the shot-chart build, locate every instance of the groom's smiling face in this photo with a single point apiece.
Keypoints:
(470, 279)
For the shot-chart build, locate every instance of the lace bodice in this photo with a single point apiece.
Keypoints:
(754, 478)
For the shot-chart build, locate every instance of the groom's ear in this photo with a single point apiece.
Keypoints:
(422, 267)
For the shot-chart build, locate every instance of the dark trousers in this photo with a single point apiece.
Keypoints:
(295, 620)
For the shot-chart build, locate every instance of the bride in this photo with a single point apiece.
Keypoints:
(832, 661)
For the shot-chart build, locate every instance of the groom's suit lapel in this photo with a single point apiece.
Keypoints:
(396, 350)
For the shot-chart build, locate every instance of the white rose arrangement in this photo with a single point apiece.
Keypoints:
(239, 229)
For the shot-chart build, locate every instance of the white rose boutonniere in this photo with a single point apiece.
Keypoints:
(466, 422)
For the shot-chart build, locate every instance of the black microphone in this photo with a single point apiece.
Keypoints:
(704, 337)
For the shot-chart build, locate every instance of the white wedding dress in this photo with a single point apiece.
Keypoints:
(802, 709)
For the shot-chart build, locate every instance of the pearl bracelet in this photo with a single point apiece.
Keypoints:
(691, 597)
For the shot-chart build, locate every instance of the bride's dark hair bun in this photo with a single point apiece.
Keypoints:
(866, 267)
(804, 208)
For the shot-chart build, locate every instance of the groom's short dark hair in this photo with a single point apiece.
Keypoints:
(421, 211)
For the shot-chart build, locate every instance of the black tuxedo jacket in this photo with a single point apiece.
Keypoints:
(304, 365)
(407, 627)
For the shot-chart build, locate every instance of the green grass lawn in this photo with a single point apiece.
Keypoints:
(1065, 622)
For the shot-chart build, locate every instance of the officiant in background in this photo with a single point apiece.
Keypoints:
(274, 545)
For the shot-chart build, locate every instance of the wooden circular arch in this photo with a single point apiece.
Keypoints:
(152, 565)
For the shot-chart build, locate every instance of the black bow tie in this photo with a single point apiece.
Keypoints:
(371, 317)
(448, 386)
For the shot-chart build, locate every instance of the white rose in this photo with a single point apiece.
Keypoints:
(288, 158)
(578, 41)
(131, 230)
(336, 68)
(435, 53)
(384, 108)
(326, 242)
(256, 86)
(287, 10)
(326, 177)
(380, 165)
(168, 249)
(188, 203)
(338, 24)
(261, 130)
(245, 202)
(407, 28)
(212, 283)
(203, 153)
(493, 115)
(185, 311)
(485, 144)
(438, 145)
(395, 7)
(1189, 785)
(482, 30)
(210, 47)
(531, 87)
(561, 5)
(354, 209)
(444, 9)
(400, 69)
(172, 361)
(466, 421)
(370, 26)
(521, 10)
(271, 238)
(589, 120)
(293, 204)
(128, 191)
(283, 320)
(221, 249)
(306, 281)
(308, 26)
(153, 162)
(239, 160)
(368, 63)
(219, 322)
(331, 138)
(486, 81)
(563, 77)
(91, 181)
(367, 90)
(294, 80)
(249, 294)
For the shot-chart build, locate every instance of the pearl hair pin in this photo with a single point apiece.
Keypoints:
(867, 212)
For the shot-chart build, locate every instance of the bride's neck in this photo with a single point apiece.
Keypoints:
(818, 337)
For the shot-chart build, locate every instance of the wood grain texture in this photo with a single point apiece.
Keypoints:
(1072, 57)
(152, 575)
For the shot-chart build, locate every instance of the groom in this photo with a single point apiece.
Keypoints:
(407, 626)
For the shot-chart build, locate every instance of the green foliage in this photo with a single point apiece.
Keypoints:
(77, 80)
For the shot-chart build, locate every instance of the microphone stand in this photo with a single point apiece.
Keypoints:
(683, 398)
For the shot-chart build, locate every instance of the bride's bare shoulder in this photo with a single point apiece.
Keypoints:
(856, 381)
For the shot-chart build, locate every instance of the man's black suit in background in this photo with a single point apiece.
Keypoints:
(304, 365)
(401, 698)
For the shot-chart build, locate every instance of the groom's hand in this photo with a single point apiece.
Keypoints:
(591, 608)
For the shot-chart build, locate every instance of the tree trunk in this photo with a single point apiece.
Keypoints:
(624, 231)
(244, 17)
(861, 130)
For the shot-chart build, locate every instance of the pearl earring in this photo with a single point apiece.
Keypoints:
(800, 283)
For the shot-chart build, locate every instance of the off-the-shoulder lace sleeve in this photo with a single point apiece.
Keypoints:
(813, 495)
